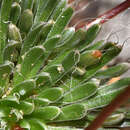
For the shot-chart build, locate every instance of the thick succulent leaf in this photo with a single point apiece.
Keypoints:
(40, 9)
(125, 124)
(66, 36)
(15, 12)
(6, 68)
(124, 82)
(14, 33)
(95, 46)
(113, 71)
(79, 93)
(107, 57)
(59, 70)
(4, 17)
(107, 94)
(54, 73)
(46, 113)
(72, 59)
(61, 128)
(24, 89)
(73, 41)
(33, 124)
(27, 4)
(89, 58)
(114, 119)
(44, 32)
(4, 111)
(59, 8)
(10, 52)
(26, 107)
(49, 7)
(32, 61)
(38, 101)
(57, 60)
(52, 94)
(9, 101)
(71, 112)
(29, 41)
(5, 71)
(27, 16)
(51, 43)
(61, 22)
(91, 34)
(43, 78)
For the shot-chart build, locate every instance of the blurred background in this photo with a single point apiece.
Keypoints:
(116, 30)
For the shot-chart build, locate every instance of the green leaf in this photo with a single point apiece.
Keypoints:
(15, 12)
(71, 112)
(51, 43)
(33, 124)
(73, 41)
(14, 33)
(106, 94)
(61, 22)
(95, 46)
(91, 34)
(58, 10)
(66, 36)
(44, 32)
(5, 71)
(43, 78)
(38, 101)
(32, 61)
(27, 16)
(4, 111)
(46, 113)
(26, 107)
(46, 13)
(125, 124)
(79, 93)
(24, 89)
(89, 58)
(40, 9)
(107, 57)
(62, 128)
(114, 119)
(29, 41)
(27, 4)
(70, 60)
(6, 68)
(113, 71)
(9, 101)
(10, 52)
(52, 94)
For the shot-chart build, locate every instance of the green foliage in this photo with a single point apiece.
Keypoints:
(48, 71)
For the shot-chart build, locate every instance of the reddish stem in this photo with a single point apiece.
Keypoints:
(108, 110)
(107, 15)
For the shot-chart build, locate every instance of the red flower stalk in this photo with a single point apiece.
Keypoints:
(107, 15)
(108, 110)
